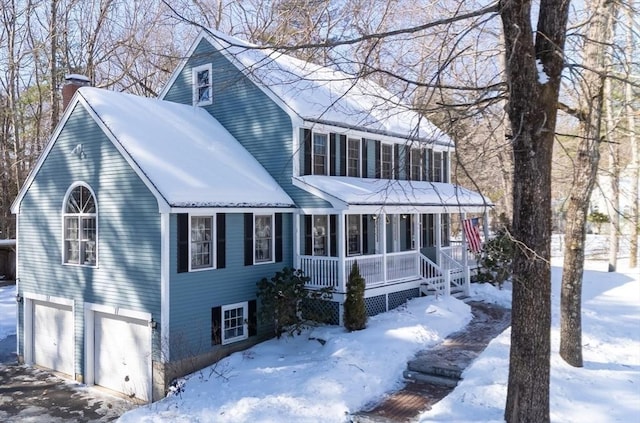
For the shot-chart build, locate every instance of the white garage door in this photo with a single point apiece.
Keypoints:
(53, 336)
(122, 355)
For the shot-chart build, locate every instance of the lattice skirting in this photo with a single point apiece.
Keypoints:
(322, 311)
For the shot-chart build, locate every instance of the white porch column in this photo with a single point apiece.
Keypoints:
(296, 240)
(438, 239)
(485, 226)
(341, 241)
(383, 240)
(416, 241)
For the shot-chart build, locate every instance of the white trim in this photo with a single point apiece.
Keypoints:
(48, 298)
(245, 327)
(239, 210)
(436, 145)
(89, 331)
(165, 280)
(273, 238)
(163, 206)
(194, 84)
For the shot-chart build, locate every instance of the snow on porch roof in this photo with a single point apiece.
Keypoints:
(321, 94)
(190, 158)
(411, 195)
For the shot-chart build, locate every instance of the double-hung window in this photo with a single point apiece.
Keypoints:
(320, 147)
(354, 234)
(201, 242)
(353, 157)
(386, 161)
(80, 227)
(437, 167)
(202, 86)
(263, 238)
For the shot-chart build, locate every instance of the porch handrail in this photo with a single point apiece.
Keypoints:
(434, 276)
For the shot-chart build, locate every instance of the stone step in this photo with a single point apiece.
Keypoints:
(418, 377)
(450, 372)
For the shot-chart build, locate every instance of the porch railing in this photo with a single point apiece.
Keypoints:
(325, 271)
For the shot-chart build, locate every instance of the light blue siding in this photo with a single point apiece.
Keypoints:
(262, 127)
(194, 294)
(128, 271)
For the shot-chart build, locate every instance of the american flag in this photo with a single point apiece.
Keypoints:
(472, 233)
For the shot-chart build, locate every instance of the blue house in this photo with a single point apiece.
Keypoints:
(146, 223)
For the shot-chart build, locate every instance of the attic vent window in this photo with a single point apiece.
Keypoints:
(202, 87)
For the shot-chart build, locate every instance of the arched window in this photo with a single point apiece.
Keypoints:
(80, 228)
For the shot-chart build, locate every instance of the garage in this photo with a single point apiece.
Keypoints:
(122, 354)
(52, 334)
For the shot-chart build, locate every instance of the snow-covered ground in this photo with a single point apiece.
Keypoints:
(300, 380)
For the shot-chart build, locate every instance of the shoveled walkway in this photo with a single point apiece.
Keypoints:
(434, 373)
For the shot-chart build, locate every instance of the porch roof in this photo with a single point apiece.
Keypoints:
(393, 196)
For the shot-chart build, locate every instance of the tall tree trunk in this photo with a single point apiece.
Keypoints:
(53, 63)
(585, 168)
(613, 171)
(633, 142)
(532, 108)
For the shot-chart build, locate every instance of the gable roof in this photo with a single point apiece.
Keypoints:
(184, 154)
(318, 94)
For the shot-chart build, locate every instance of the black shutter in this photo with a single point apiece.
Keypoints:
(396, 161)
(365, 234)
(407, 163)
(365, 159)
(332, 154)
(333, 235)
(343, 155)
(221, 234)
(306, 170)
(445, 167)
(424, 231)
(425, 165)
(252, 319)
(248, 239)
(377, 159)
(278, 236)
(408, 224)
(308, 237)
(430, 163)
(216, 325)
(183, 242)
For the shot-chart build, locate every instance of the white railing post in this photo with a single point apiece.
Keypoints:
(383, 223)
(342, 281)
(447, 282)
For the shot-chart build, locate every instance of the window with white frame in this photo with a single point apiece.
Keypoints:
(263, 238)
(234, 322)
(353, 157)
(202, 86)
(386, 161)
(416, 164)
(320, 147)
(354, 234)
(201, 242)
(80, 227)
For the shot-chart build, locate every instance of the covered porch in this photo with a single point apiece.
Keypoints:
(398, 242)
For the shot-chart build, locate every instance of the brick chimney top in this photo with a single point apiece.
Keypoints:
(73, 82)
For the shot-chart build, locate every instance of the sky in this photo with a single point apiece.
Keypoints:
(303, 380)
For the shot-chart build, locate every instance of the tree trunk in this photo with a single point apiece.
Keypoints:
(633, 142)
(613, 203)
(532, 109)
(584, 176)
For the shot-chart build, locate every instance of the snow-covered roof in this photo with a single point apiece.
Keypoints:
(188, 156)
(383, 194)
(321, 94)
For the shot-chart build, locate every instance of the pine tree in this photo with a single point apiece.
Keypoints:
(355, 312)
